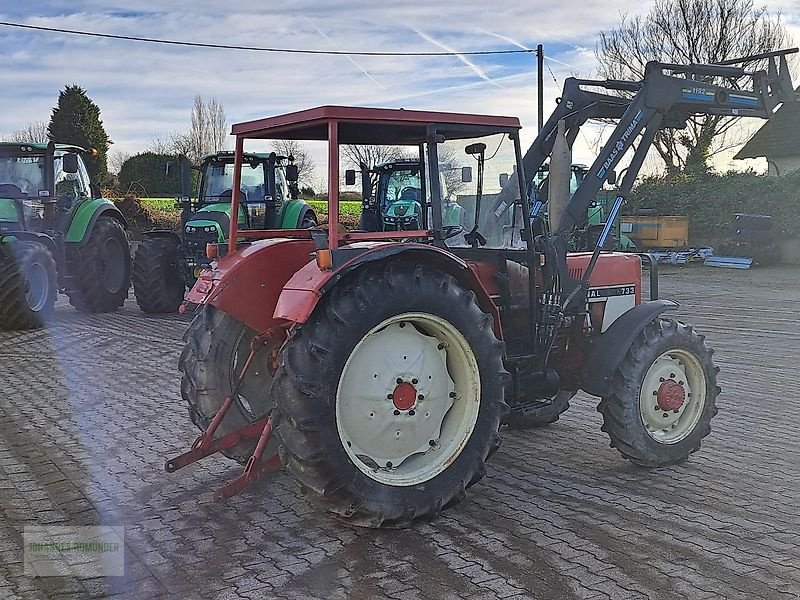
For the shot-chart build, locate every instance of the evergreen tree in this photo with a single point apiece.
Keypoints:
(76, 120)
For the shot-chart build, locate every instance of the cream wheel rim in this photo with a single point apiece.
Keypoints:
(408, 399)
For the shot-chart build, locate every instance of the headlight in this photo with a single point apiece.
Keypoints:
(209, 229)
(191, 229)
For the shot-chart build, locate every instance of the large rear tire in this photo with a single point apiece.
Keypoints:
(217, 346)
(103, 268)
(157, 282)
(28, 285)
(663, 396)
(521, 417)
(389, 398)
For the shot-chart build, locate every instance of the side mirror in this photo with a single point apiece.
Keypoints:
(612, 177)
(503, 179)
(69, 163)
(350, 177)
(291, 173)
(466, 174)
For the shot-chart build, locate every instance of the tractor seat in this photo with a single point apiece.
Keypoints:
(9, 190)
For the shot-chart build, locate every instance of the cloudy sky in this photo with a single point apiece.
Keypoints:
(147, 89)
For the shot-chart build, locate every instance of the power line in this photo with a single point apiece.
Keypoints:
(255, 48)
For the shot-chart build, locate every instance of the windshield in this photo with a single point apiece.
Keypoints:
(22, 175)
(218, 183)
(459, 170)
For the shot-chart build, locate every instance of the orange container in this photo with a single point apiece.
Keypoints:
(657, 231)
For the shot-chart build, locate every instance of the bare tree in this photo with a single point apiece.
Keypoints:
(34, 132)
(117, 158)
(302, 158)
(690, 31)
(450, 172)
(208, 129)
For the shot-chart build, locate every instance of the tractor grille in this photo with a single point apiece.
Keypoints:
(195, 243)
(576, 272)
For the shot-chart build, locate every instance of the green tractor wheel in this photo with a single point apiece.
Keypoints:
(157, 282)
(28, 285)
(102, 266)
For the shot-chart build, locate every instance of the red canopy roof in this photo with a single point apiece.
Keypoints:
(368, 125)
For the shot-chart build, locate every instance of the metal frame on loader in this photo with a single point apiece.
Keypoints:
(167, 261)
(386, 361)
(57, 234)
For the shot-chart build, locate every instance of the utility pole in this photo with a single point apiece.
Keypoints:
(540, 85)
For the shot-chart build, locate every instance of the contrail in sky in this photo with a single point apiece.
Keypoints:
(476, 69)
(348, 57)
(505, 38)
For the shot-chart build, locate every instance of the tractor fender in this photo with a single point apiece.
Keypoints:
(86, 215)
(305, 289)
(293, 214)
(247, 283)
(609, 349)
(30, 236)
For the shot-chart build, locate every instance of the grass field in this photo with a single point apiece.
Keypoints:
(320, 206)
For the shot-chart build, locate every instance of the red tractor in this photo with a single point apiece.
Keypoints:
(387, 361)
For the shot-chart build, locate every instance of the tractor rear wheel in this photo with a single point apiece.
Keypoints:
(157, 282)
(389, 399)
(523, 417)
(217, 346)
(28, 285)
(103, 268)
(663, 396)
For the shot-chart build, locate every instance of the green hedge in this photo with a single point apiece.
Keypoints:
(145, 175)
(710, 200)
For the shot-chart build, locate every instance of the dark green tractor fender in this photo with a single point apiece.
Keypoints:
(85, 215)
(609, 349)
(293, 214)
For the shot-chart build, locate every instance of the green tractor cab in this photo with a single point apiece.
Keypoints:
(57, 234)
(166, 262)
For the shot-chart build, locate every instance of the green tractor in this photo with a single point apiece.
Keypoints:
(56, 234)
(393, 196)
(167, 262)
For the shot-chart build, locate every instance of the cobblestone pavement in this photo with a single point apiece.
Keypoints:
(91, 407)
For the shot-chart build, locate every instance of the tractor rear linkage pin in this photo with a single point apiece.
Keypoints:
(206, 445)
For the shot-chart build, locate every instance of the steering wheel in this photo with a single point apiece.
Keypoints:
(451, 231)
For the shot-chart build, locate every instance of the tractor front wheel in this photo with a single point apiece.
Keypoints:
(102, 266)
(157, 282)
(28, 285)
(663, 396)
(217, 346)
(389, 399)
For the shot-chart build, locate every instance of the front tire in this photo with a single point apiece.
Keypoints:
(28, 285)
(157, 283)
(663, 396)
(389, 398)
(103, 268)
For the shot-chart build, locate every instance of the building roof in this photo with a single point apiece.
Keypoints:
(780, 136)
(366, 125)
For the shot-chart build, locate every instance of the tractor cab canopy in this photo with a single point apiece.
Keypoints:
(463, 157)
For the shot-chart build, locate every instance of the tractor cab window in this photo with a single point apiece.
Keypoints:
(70, 187)
(22, 175)
(400, 193)
(473, 172)
(218, 183)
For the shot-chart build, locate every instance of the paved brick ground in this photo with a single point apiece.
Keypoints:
(90, 408)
